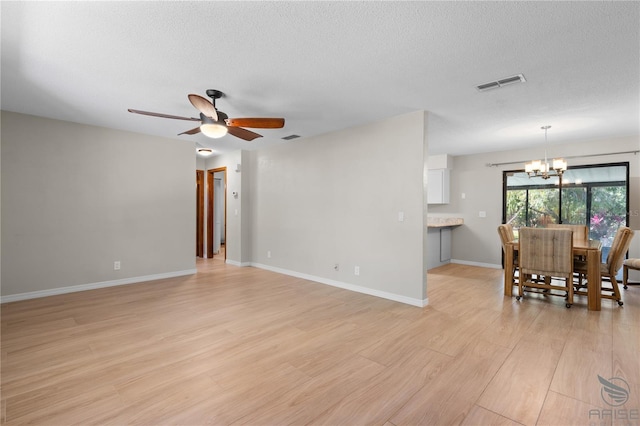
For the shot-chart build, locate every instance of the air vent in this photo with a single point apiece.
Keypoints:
(501, 83)
(487, 86)
(288, 138)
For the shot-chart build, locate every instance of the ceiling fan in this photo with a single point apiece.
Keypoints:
(215, 123)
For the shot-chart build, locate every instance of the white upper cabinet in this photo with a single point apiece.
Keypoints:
(438, 176)
(438, 186)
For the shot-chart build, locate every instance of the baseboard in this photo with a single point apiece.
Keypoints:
(346, 286)
(234, 263)
(483, 265)
(93, 286)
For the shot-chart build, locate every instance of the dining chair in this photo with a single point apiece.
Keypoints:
(626, 265)
(546, 252)
(580, 232)
(610, 268)
(506, 236)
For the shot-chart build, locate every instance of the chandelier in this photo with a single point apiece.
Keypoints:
(539, 168)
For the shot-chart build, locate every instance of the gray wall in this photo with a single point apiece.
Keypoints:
(335, 199)
(477, 240)
(76, 198)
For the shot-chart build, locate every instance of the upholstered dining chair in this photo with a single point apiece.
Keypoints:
(506, 236)
(626, 265)
(580, 232)
(610, 268)
(546, 252)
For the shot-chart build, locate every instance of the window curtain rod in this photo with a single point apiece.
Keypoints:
(573, 156)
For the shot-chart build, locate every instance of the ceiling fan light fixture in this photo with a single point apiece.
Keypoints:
(213, 130)
(215, 124)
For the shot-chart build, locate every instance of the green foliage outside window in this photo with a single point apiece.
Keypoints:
(608, 212)
(608, 208)
(574, 206)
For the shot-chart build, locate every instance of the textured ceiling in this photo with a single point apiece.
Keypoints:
(325, 66)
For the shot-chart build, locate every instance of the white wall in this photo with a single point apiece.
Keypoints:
(76, 198)
(335, 199)
(233, 244)
(477, 240)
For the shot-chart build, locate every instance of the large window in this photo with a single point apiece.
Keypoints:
(597, 196)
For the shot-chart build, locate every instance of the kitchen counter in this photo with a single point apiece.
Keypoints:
(442, 222)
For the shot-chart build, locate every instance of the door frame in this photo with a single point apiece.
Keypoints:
(210, 210)
(199, 213)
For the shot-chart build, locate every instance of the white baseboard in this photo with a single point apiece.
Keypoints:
(483, 265)
(93, 286)
(234, 263)
(347, 286)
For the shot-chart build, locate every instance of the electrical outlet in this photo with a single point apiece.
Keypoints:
(356, 270)
(116, 265)
(268, 254)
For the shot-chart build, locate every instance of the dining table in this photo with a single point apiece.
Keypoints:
(591, 250)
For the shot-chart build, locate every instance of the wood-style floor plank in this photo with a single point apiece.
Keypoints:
(519, 388)
(481, 416)
(584, 357)
(563, 410)
(233, 345)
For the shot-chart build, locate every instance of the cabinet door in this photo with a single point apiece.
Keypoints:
(445, 244)
(438, 186)
(434, 187)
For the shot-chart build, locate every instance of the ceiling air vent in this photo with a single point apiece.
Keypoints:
(288, 138)
(501, 83)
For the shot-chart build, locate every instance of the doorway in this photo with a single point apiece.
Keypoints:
(216, 211)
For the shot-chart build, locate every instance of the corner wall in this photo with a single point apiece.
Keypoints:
(335, 199)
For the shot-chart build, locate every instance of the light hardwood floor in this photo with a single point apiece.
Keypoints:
(246, 346)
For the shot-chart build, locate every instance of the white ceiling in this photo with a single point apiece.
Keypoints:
(325, 66)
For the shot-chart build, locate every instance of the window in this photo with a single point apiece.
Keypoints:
(597, 196)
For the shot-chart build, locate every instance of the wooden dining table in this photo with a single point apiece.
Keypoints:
(591, 250)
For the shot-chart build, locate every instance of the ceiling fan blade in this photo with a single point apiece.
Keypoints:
(157, 114)
(191, 132)
(241, 133)
(259, 123)
(204, 106)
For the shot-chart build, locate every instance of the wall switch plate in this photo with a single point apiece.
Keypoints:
(400, 216)
(269, 254)
(356, 270)
(116, 265)
(482, 214)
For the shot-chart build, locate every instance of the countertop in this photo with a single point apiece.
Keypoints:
(443, 222)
